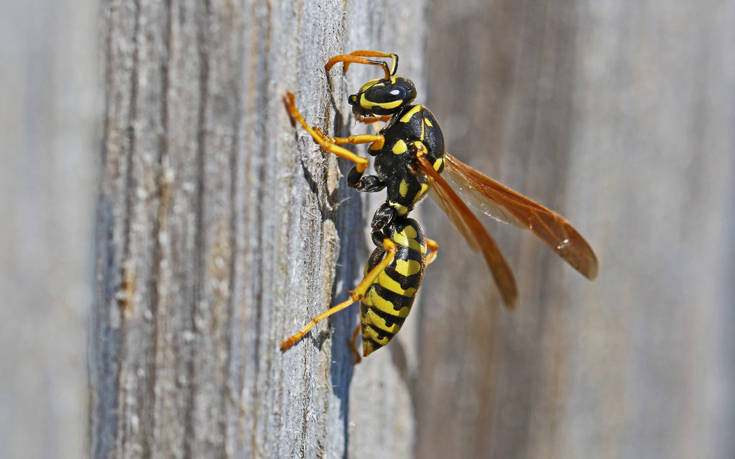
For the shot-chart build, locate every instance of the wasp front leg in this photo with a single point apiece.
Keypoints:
(332, 144)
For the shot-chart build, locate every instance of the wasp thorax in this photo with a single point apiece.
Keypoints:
(383, 96)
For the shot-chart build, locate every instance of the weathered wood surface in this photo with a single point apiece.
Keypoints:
(220, 230)
(620, 115)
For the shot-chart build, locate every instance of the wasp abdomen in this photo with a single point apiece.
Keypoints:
(389, 299)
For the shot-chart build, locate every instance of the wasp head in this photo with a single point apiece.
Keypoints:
(384, 96)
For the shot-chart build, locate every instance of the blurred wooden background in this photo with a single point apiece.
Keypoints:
(619, 115)
(48, 116)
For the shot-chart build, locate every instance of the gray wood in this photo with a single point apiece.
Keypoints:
(221, 230)
(619, 115)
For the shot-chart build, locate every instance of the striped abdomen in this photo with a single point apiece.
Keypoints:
(389, 299)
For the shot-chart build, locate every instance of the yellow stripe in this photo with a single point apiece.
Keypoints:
(410, 232)
(364, 103)
(421, 193)
(403, 188)
(389, 105)
(367, 347)
(423, 125)
(407, 267)
(402, 239)
(381, 323)
(372, 334)
(368, 84)
(369, 298)
(428, 123)
(438, 164)
(407, 117)
(402, 210)
(387, 283)
(399, 148)
(380, 303)
(367, 104)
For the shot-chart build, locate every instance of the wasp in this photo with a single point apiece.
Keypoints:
(410, 161)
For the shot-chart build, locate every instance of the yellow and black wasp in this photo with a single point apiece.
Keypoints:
(409, 160)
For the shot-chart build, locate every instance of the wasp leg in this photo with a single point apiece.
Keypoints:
(368, 183)
(377, 140)
(353, 346)
(360, 163)
(433, 247)
(357, 294)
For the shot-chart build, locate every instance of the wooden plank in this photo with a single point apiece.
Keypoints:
(221, 230)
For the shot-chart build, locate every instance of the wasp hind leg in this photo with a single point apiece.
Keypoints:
(390, 252)
(353, 345)
(432, 247)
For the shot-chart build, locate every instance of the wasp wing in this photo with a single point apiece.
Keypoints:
(504, 204)
(473, 231)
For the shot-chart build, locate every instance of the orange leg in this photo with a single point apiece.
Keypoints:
(359, 292)
(327, 143)
(433, 247)
(358, 57)
(353, 345)
(378, 140)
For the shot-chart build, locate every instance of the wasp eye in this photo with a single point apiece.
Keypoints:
(381, 93)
